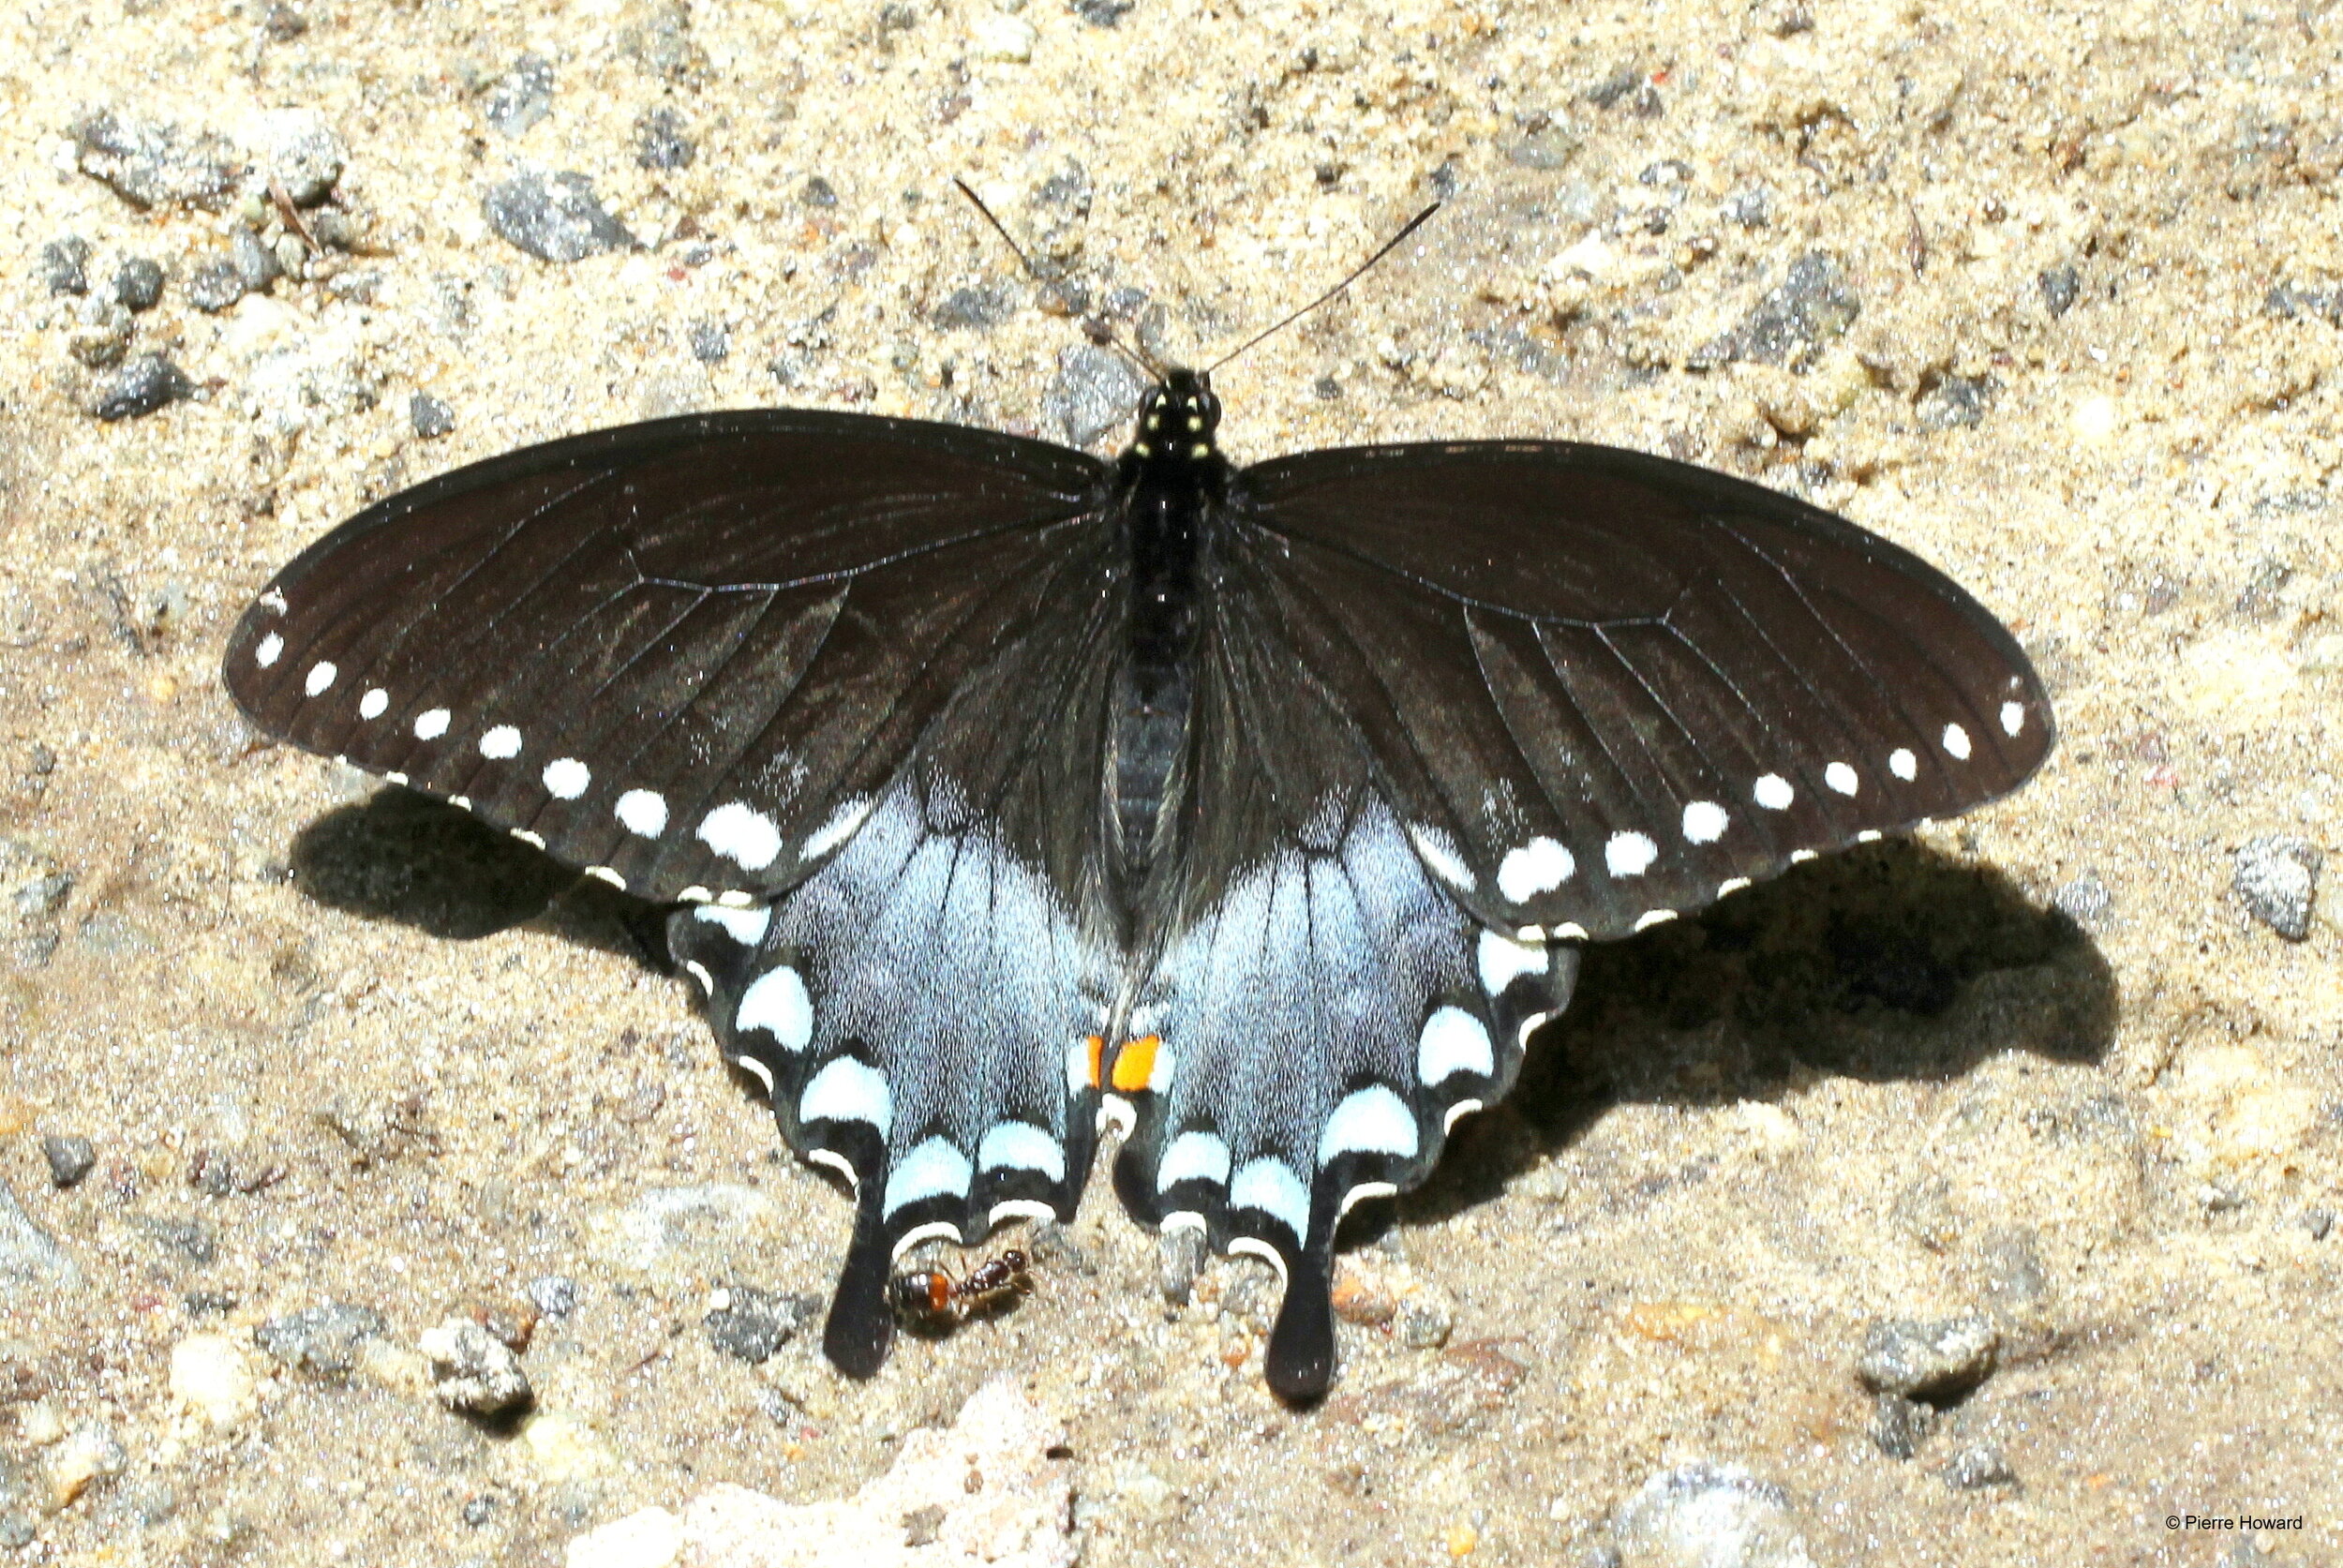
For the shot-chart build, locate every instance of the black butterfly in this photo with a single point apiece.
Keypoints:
(1005, 793)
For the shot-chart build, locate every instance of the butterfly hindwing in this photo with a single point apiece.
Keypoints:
(1606, 689)
(688, 654)
(1313, 1013)
(921, 1008)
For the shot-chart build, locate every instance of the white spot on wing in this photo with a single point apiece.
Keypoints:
(1457, 1112)
(500, 742)
(1957, 742)
(273, 602)
(2012, 718)
(266, 652)
(1193, 1157)
(741, 835)
(1841, 778)
(744, 926)
(1502, 961)
(1372, 1120)
(373, 704)
(1630, 854)
(1360, 1194)
(1452, 1041)
(1704, 822)
(320, 675)
(935, 1169)
(1773, 792)
(1651, 918)
(1537, 867)
(643, 812)
(1904, 765)
(698, 971)
(934, 1229)
(1253, 1247)
(566, 778)
(1731, 885)
(1267, 1185)
(763, 1073)
(848, 1091)
(600, 874)
(1022, 1146)
(534, 841)
(1019, 1208)
(829, 835)
(431, 724)
(1438, 851)
(776, 1002)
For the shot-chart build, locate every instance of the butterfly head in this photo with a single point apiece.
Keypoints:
(1177, 418)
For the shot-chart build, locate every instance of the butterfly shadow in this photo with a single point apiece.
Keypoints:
(1892, 962)
(408, 859)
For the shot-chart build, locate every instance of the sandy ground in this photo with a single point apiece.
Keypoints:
(2075, 338)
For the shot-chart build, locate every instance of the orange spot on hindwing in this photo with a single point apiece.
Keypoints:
(1098, 1052)
(1135, 1064)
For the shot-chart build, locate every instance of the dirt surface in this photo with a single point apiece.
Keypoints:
(2051, 295)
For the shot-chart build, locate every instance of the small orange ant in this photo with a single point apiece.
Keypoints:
(933, 1293)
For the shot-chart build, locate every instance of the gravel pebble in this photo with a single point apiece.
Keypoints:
(1094, 392)
(1955, 402)
(139, 283)
(429, 417)
(555, 217)
(554, 1294)
(2061, 287)
(27, 1256)
(1899, 1425)
(474, 1371)
(2084, 901)
(750, 1324)
(1935, 1360)
(63, 267)
(1710, 1515)
(1103, 13)
(977, 307)
(1977, 1467)
(1424, 1320)
(147, 383)
(91, 1454)
(818, 192)
(256, 266)
(322, 1339)
(661, 140)
(522, 96)
(69, 1160)
(1179, 1259)
(1812, 305)
(152, 165)
(217, 284)
(712, 342)
(2277, 876)
(211, 1375)
(299, 150)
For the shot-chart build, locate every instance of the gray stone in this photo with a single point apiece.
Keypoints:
(147, 383)
(63, 267)
(1103, 13)
(661, 140)
(100, 334)
(1899, 1425)
(751, 1324)
(1094, 392)
(1424, 1320)
(522, 96)
(1710, 1516)
(28, 1257)
(1179, 1259)
(2084, 901)
(474, 1371)
(139, 283)
(1978, 1467)
(217, 284)
(1750, 208)
(980, 307)
(712, 342)
(301, 153)
(257, 268)
(151, 165)
(818, 192)
(190, 1238)
(554, 1294)
(555, 217)
(2277, 876)
(1955, 402)
(70, 1160)
(321, 1339)
(1811, 306)
(428, 417)
(1935, 1361)
(2061, 287)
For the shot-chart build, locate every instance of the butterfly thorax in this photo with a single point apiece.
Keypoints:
(1167, 485)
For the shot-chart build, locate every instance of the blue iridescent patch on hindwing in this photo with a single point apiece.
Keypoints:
(918, 1009)
(1320, 1030)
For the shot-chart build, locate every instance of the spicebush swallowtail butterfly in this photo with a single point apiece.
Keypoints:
(1003, 793)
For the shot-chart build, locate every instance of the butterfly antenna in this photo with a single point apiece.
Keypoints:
(1094, 327)
(1356, 273)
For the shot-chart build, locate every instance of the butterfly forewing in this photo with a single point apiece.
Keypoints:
(1605, 689)
(688, 653)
